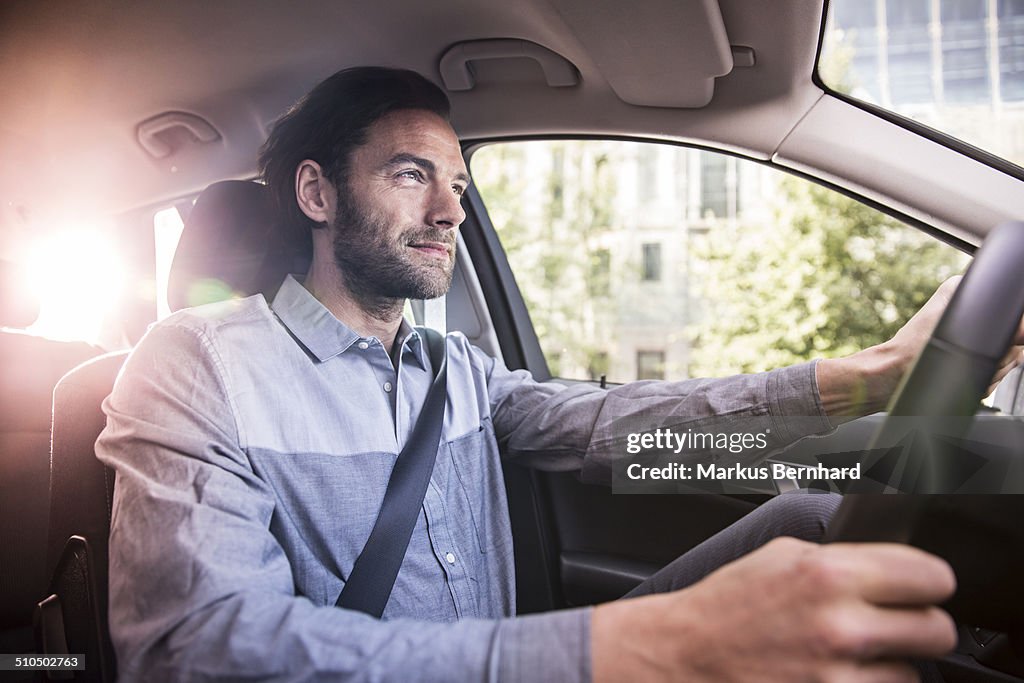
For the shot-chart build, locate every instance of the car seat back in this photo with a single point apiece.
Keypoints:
(228, 248)
(29, 368)
(73, 619)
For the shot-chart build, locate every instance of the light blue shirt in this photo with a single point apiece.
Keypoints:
(252, 446)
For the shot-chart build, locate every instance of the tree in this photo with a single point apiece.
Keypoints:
(827, 277)
(551, 230)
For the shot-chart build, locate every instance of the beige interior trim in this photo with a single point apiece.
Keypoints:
(914, 174)
(675, 49)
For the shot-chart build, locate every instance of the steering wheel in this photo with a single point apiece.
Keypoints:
(977, 329)
(978, 534)
(933, 407)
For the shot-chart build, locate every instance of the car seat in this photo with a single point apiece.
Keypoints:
(29, 368)
(229, 247)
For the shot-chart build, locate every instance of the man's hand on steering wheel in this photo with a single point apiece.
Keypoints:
(919, 328)
(864, 382)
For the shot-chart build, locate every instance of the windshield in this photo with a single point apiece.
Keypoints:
(954, 65)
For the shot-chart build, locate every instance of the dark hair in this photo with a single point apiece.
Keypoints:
(329, 123)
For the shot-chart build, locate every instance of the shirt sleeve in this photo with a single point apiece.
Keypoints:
(569, 427)
(201, 590)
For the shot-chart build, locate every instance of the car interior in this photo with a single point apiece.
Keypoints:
(120, 115)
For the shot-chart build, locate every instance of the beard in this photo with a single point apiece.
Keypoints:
(380, 268)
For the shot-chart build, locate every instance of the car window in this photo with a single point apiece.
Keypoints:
(79, 277)
(953, 65)
(167, 228)
(100, 280)
(652, 261)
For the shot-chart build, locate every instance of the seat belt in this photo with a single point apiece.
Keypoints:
(375, 570)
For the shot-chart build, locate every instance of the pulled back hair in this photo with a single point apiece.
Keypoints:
(328, 124)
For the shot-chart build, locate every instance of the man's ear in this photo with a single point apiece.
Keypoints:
(314, 192)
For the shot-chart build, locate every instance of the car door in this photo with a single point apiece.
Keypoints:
(607, 261)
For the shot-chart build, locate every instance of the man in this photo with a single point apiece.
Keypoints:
(253, 443)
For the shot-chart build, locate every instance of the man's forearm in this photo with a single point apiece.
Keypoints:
(865, 382)
(862, 383)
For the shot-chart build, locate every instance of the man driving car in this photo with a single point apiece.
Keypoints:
(254, 442)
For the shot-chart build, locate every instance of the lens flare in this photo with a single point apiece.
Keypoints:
(78, 277)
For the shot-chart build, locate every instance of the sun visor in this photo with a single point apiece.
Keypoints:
(680, 45)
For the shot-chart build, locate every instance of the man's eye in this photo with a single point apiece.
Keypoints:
(459, 191)
(412, 173)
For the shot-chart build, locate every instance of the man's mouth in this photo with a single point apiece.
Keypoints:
(440, 250)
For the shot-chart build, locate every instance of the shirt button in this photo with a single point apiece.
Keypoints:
(364, 345)
(450, 557)
(387, 386)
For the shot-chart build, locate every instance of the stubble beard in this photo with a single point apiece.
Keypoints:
(377, 269)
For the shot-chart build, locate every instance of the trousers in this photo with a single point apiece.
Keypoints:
(803, 516)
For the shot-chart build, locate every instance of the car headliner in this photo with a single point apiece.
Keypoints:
(79, 78)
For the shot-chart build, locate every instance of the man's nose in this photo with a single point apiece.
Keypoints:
(446, 209)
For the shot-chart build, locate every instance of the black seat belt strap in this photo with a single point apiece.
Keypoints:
(375, 570)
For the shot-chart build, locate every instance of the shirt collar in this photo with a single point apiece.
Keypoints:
(320, 332)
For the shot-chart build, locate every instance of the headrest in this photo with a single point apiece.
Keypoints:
(19, 307)
(231, 247)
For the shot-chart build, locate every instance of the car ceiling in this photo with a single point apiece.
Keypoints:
(80, 77)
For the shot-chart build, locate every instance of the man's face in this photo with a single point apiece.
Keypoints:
(395, 227)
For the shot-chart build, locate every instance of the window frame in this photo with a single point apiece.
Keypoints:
(955, 144)
(657, 356)
(651, 262)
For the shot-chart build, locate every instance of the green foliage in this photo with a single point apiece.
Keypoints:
(553, 240)
(827, 277)
(834, 67)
